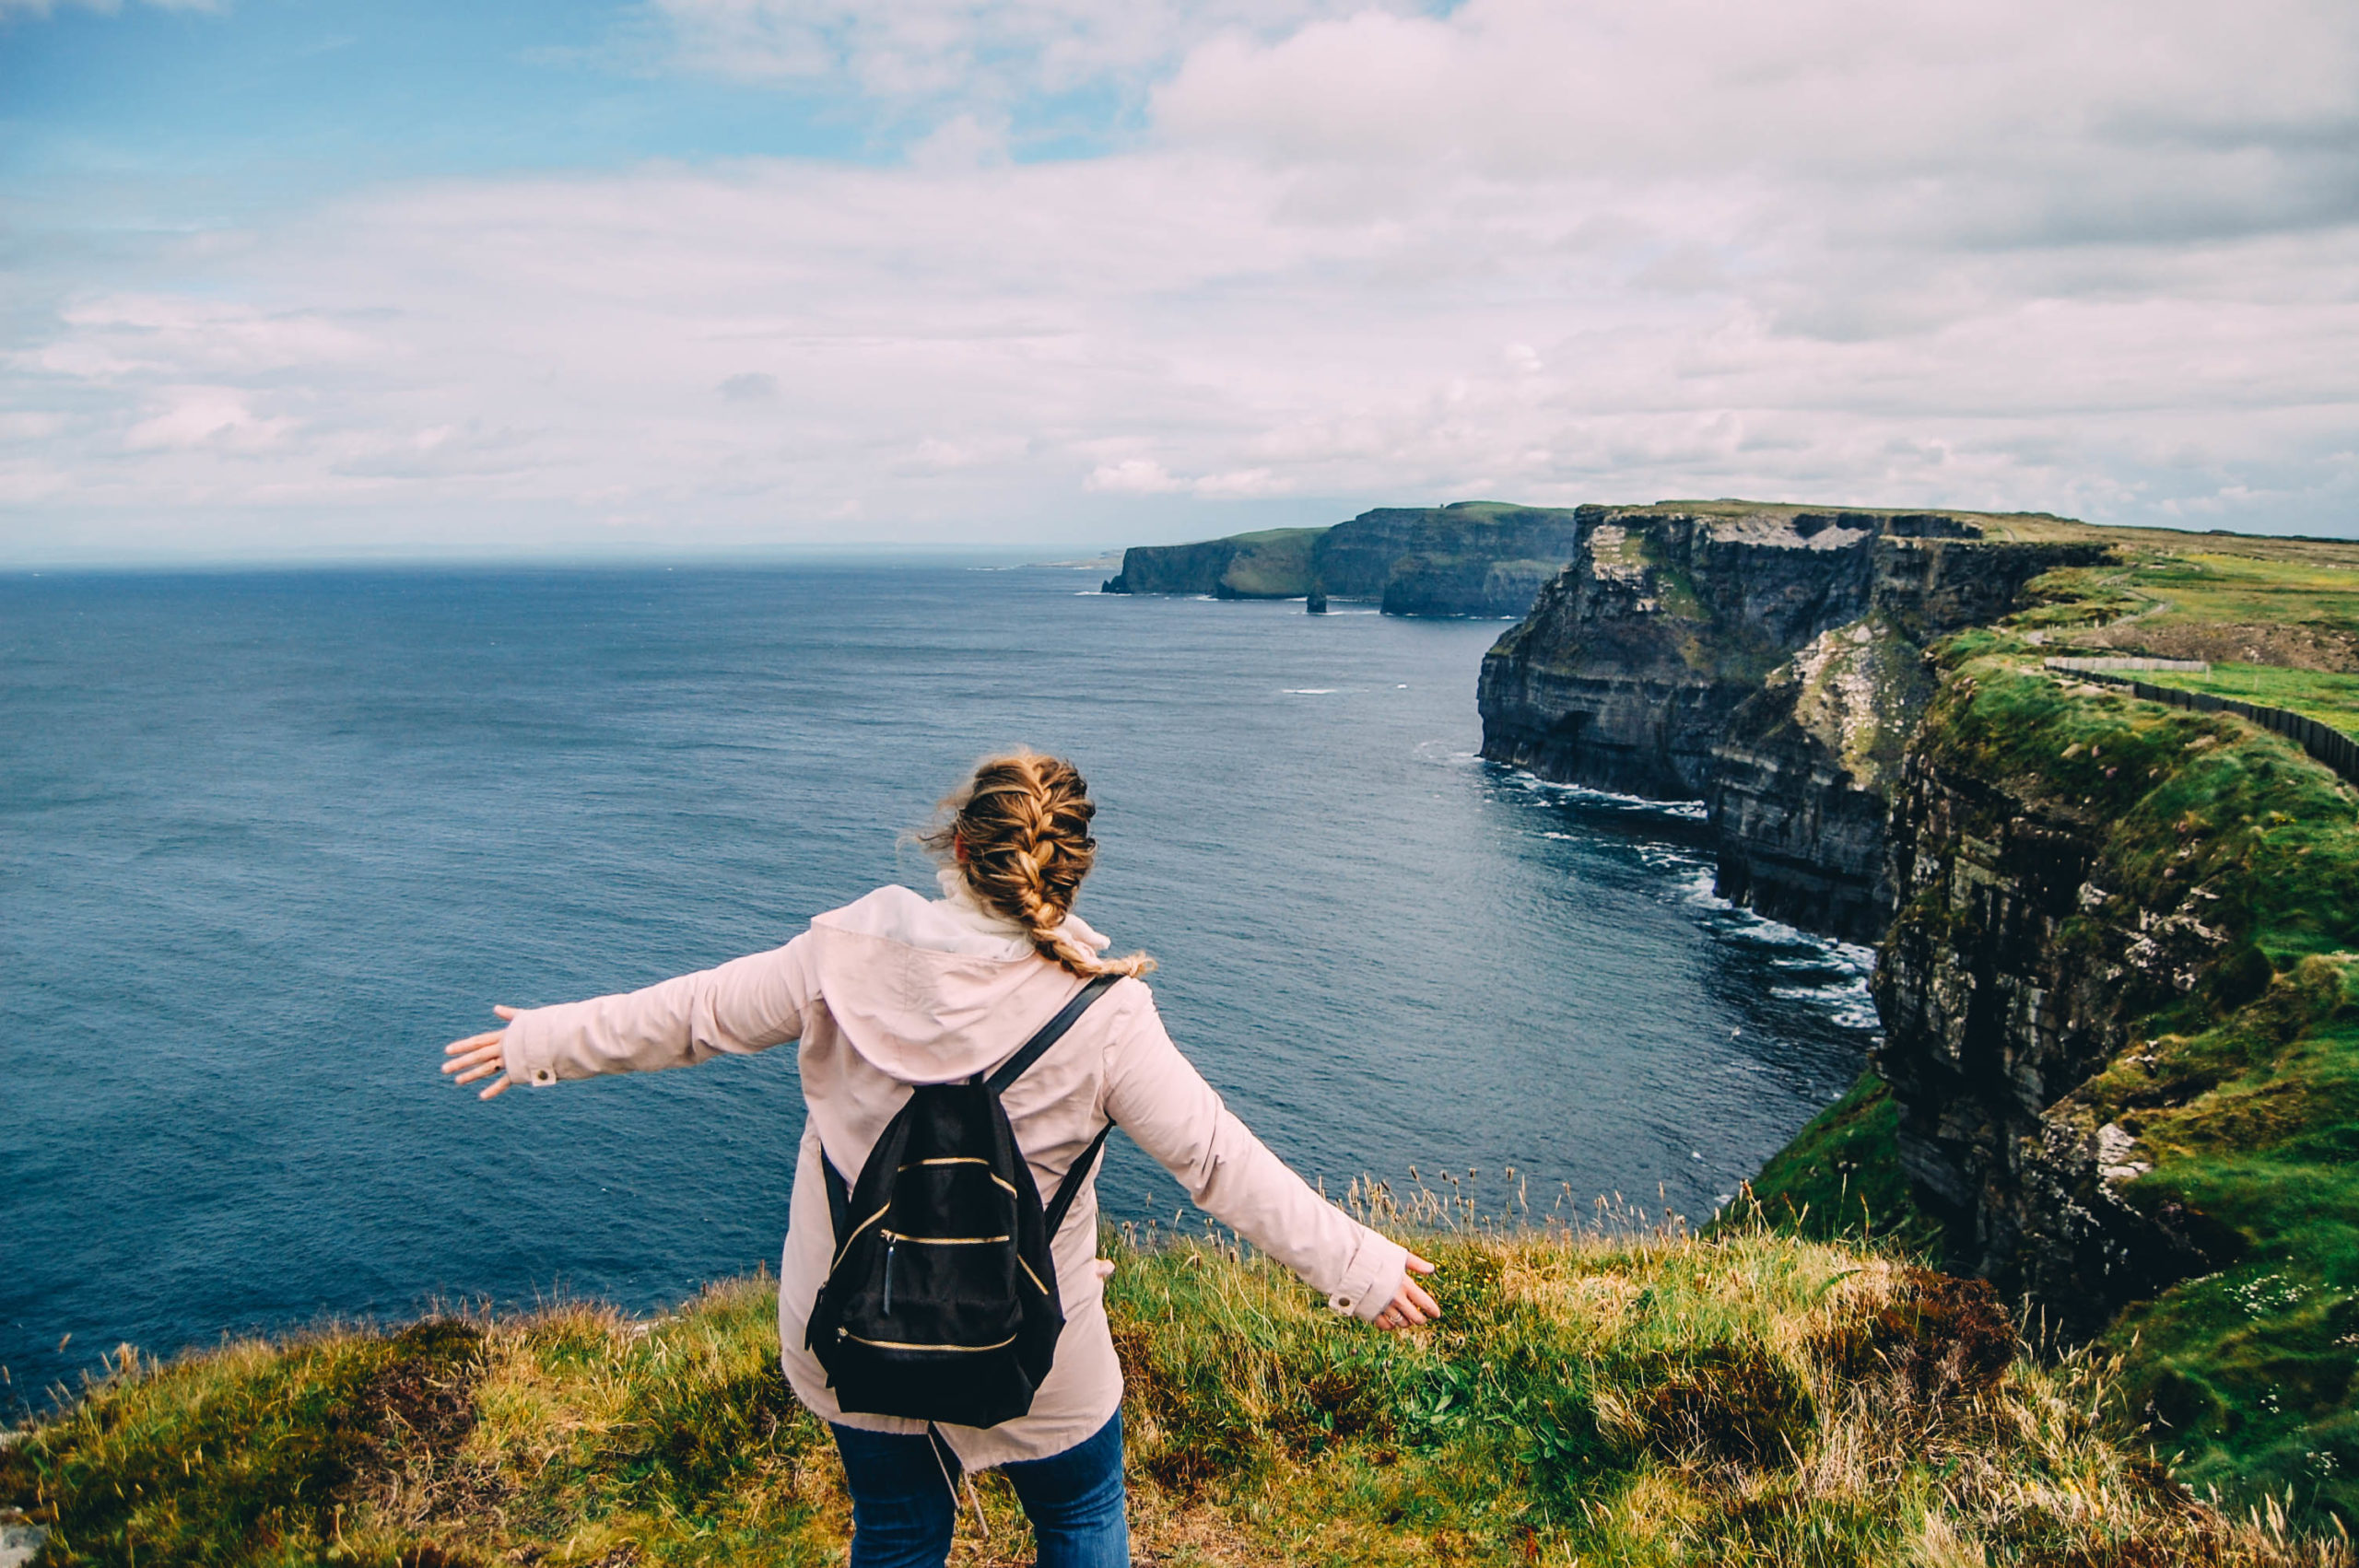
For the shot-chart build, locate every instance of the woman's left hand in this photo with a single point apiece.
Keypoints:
(1412, 1305)
(479, 1056)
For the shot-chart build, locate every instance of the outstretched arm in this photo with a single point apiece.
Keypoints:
(1164, 1105)
(748, 1004)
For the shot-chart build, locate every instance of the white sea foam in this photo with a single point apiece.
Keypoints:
(1847, 1005)
(1687, 811)
(1308, 691)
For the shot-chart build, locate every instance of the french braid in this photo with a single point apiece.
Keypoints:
(1023, 825)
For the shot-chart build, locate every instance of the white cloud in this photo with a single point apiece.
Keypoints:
(2101, 264)
(191, 417)
(1133, 476)
(31, 425)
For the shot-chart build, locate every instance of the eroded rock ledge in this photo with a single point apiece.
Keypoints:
(1766, 660)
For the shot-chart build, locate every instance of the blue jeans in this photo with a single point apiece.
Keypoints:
(903, 1510)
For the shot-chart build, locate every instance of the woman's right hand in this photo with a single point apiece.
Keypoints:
(1412, 1306)
(478, 1055)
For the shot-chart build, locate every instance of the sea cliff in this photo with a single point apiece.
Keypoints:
(2118, 970)
(1766, 660)
(1483, 558)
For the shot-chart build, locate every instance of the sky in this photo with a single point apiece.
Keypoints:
(329, 279)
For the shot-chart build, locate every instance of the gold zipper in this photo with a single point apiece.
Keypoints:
(855, 1236)
(897, 1345)
(942, 1241)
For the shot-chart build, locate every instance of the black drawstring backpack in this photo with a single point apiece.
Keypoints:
(940, 1304)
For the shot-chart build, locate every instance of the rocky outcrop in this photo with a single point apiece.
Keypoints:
(1273, 564)
(1467, 558)
(1802, 775)
(2013, 971)
(1766, 660)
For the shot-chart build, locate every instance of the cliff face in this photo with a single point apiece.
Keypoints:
(2013, 971)
(1274, 564)
(2121, 1000)
(1467, 558)
(1767, 660)
(1801, 774)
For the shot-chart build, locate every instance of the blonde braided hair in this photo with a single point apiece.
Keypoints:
(1018, 831)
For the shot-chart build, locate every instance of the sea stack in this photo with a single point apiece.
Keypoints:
(1316, 603)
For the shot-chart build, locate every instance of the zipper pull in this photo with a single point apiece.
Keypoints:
(888, 1279)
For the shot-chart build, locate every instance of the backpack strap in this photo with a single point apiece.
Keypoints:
(1050, 1033)
(1070, 1188)
(1013, 1068)
(839, 1197)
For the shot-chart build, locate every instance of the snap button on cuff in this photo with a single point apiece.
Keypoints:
(544, 1076)
(1340, 1304)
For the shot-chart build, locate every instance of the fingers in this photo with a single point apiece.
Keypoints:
(1414, 1305)
(481, 1055)
(467, 1061)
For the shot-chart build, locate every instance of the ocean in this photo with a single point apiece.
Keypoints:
(269, 839)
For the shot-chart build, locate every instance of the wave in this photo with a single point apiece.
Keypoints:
(1684, 810)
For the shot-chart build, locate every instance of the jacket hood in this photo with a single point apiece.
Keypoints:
(929, 990)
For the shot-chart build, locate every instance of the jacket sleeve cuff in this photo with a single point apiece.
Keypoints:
(1373, 1279)
(525, 1053)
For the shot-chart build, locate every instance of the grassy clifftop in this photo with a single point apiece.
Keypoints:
(2240, 1103)
(1753, 1398)
(2235, 1108)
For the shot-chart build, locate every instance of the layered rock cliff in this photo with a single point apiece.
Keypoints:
(2019, 964)
(2118, 976)
(1468, 558)
(1767, 660)
(1273, 564)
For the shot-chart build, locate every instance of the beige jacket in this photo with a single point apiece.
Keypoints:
(897, 989)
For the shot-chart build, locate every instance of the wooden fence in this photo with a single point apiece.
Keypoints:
(2329, 746)
(2100, 666)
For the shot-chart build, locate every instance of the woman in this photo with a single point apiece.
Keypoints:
(894, 991)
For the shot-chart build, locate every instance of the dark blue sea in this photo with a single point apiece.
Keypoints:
(268, 840)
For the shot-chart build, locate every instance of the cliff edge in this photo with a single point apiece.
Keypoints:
(1479, 558)
(1768, 660)
(2119, 988)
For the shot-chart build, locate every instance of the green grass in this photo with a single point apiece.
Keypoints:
(2328, 698)
(2254, 1122)
(2287, 604)
(2245, 590)
(2243, 1096)
(1839, 1178)
(1275, 565)
(2185, 800)
(1749, 1398)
